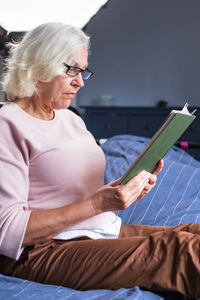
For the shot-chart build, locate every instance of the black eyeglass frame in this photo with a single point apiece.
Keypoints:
(85, 72)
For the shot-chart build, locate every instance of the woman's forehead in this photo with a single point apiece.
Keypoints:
(81, 58)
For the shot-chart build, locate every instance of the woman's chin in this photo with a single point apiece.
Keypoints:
(64, 105)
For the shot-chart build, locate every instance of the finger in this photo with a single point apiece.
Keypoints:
(115, 183)
(137, 185)
(152, 179)
(139, 180)
(147, 188)
(145, 191)
(159, 167)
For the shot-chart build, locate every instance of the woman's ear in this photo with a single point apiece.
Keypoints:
(40, 86)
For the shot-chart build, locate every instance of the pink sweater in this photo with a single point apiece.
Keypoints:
(44, 165)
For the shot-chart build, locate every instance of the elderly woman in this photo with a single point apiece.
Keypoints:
(57, 220)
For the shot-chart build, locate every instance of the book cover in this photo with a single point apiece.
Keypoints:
(167, 135)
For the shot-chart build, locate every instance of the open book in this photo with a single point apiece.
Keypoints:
(166, 136)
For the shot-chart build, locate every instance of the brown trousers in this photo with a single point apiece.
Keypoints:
(153, 257)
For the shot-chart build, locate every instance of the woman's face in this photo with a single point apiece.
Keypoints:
(58, 93)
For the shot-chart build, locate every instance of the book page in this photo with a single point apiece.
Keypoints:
(184, 110)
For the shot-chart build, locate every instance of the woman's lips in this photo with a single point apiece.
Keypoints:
(70, 95)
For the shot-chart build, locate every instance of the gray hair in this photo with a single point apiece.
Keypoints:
(40, 56)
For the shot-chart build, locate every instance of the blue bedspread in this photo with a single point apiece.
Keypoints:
(174, 200)
(176, 197)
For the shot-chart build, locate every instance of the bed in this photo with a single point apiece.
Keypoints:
(174, 200)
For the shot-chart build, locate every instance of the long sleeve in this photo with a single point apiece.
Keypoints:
(14, 187)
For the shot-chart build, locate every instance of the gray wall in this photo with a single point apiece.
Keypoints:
(144, 51)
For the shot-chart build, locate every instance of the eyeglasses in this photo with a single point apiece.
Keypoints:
(74, 71)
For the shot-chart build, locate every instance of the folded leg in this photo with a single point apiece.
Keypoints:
(166, 260)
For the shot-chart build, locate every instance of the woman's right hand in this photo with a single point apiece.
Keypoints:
(45, 224)
(114, 197)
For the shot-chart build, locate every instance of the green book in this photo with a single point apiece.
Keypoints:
(167, 135)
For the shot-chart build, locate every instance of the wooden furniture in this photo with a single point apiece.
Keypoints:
(105, 122)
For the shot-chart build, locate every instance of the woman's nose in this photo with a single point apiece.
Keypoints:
(79, 80)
